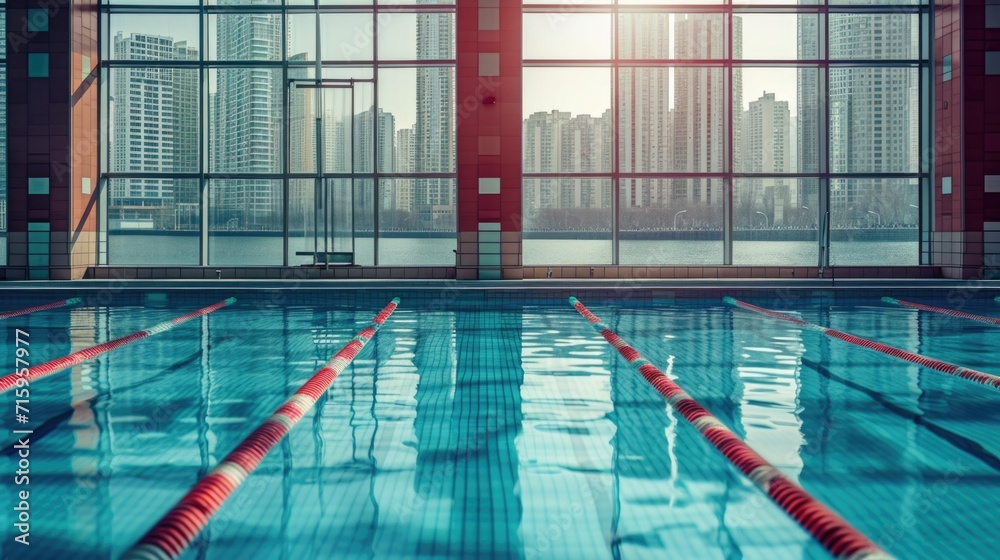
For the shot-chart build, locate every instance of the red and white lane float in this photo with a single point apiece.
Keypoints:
(829, 529)
(943, 311)
(977, 376)
(56, 305)
(7, 382)
(179, 527)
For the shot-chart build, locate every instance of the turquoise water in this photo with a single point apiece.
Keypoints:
(512, 433)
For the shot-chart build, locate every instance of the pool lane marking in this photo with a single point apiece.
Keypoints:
(943, 311)
(7, 382)
(45, 307)
(829, 529)
(981, 377)
(182, 524)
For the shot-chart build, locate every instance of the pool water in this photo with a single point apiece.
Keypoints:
(516, 432)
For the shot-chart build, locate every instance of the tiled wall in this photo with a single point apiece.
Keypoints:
(44, 156)
(967, 139)
(488, 86)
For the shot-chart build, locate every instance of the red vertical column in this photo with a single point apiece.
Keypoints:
(966, 233)
(50, 107)
(983, 171)
(948, 73)
(488, 89)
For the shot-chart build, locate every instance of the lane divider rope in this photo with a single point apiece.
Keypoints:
(7, 382)
(176, 530)
(46, 307)
(829, 529)
(977, 376)
(943, 311)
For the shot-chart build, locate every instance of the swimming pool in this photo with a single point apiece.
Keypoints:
(509, 429)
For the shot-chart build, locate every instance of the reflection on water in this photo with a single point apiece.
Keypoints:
(517, 433)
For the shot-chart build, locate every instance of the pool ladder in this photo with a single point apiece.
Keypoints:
(824, 244)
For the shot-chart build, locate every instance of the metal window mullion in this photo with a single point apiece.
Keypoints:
(823, 195)
(729, 123)
(376, 192)
(615, 143)
(205, 129)
(286, 139)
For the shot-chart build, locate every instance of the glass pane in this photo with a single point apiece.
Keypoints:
(563, 131)
(240, 2)
(567, 221)
(301, 124)
(419, 103)
(392, 2)
(364, 222)
(874, 36)
(405, 36)
(698, 119)
(777, 125)
(663, 36)
(699, 36)
(567, 35)
(302, 220)
(878, 2)
(647, 132)
(667, 2)
(244, 36)
(775, 221)
(154, 125)
(245, 222)
(757, 37)
(320, 221)
(526, 2)
(3, 164)
(153, 36)
(670, 221)
(874, 125)
(163, 2)
(153, 221)
(245, 126)
(417, 223)
(752, 2)
(873, 222)
(347, 37)
(301, 37)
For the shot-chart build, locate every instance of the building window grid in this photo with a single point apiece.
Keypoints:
(823, 63)
(204, 65)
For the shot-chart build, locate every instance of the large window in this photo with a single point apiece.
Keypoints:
(262, 132)
(711, 132)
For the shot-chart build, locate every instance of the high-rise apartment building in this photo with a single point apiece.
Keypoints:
(699, 118)
(434, 131)
(247, 118)
(558, 142)
(644, 116)
(873, 110)
(155, 114)
(767, 147)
